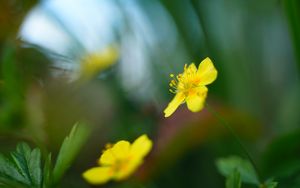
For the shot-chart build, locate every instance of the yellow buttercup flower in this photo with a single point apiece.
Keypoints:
(93, 63)
(119, 161)
(190, 86)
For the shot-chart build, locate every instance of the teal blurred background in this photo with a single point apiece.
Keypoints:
(255, 46)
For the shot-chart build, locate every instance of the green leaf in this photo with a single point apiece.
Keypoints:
(47, 172)
(9, 172)
(69, 149)
(7, 183)
(34, 164)
(23, 167)
(269, 184)
(227, 166)
(234, 180)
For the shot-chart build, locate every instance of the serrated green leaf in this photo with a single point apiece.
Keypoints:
(9, 172)
(226, 166)
(234, 180)
(23, 149)
(21, 164)
(8, 183)
(34, 165)
(69, 149)
(23, 167)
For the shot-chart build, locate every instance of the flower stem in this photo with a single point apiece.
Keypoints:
(229, 128)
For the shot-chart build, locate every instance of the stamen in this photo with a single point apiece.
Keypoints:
(108, 145)
(178, 77)
(173, 82)
(183, 81)
(172, 91)
(185, 66)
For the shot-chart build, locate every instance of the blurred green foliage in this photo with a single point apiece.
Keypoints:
(24, 166)
(234, 180)
(69, 150)
(228, 166)
(255, 46)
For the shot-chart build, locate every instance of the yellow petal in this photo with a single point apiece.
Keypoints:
(195, 101)
(207, 72)
(107, 158)
(121, 149)
(127, 169)
(189, 69)
(139, 149)
(192, 67)
(95, 62)
(98, 175)
(173, 105)
(141, 146)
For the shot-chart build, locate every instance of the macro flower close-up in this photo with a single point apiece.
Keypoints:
(190, 86)
(149, 94)
(119, 161)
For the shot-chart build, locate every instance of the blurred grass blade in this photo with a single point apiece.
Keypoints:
(47, 172)
(227, 166)
(9, 70)
(234, 180)
(292, 9)
(69, 149)
(11, 89)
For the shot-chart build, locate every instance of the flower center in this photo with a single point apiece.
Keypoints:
(185, 82)
(121, 164)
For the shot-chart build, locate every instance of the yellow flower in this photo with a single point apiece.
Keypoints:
(119, 161)
(93, 63)
(190, 86)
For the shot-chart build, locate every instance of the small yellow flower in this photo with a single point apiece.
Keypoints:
(119, 161)
(93, 63)
(190, 86)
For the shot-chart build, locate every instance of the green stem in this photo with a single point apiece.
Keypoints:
(229, 128)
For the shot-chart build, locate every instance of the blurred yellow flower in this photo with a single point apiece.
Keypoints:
(93, 63)
(190, 86)
(119, 161)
